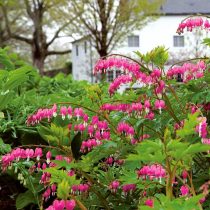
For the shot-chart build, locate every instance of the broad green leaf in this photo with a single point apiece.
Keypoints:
(189, 125)
(24, 199)
(63, 190)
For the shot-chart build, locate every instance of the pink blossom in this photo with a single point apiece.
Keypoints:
(94, 120)
(191, 23)
(90, 130)
(63, 112)
(53, 188)
(202, 200)
(184, 174)
(70, 204)
(128, 188)
(102, 125)
(150, 115)
(47, 194)
(29, 153)
(156, 73)
(184, 190)
(48, 156)
(202, 127)
(59, 205)
(109, 161)
(147, 106)
(126, 129)
(106, 135)
(78, 112)
(70, 112)
(159, 104)
(152, 172)
(38, 153)
(150, 203)
(114, 186)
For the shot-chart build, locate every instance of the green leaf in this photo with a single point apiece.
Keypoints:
(54, 135)
(57, 176)
(24, 199)
(4, 148)
(5, 60)
(1, 115)
(148, 151)
(63, 190)
(196, 148)
(206, 41)
(189, 125)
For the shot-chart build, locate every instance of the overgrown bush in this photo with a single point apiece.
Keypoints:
(147, 148)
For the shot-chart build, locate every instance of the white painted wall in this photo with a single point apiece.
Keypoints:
(160, 32)
(81, 63)
(156, 33)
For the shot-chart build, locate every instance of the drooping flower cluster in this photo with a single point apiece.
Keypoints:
(64, 112)
(131, 73)
(110, 161)
(141, 78)
(42, 114)
(188, 71)
(124, 79)
(97, 130)
(138, 109)
(50, 191)
(88, 145)
(113, 63)
(62, 204)
(126, 129)
(127, 188)
(78, 189)
(152, 172)
(191, 24)
(18, 154)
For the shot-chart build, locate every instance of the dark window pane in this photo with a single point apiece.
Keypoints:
(133, 41)
(178, 41)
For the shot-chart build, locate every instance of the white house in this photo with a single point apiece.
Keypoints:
(162, 31)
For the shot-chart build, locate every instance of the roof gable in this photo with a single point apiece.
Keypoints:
(185, 7)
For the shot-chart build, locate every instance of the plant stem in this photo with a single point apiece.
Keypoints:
(193, 189)
(80, 204)
(99, 195)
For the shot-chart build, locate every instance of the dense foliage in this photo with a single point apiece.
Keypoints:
(88, 147)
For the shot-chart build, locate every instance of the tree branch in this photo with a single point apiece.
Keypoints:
(57, 33)
(54, 52)
(28, 9)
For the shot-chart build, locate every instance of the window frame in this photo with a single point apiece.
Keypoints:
(85, 47)
(178, 41)
(132, 42)
(77, 50)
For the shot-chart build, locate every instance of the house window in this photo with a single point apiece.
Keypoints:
(118, 73)
(110, 76)
(178, 41)
(85, 47)
(77, 50)
(133, 41)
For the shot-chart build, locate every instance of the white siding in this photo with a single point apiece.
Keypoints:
(82, 62)
(160, 32)
(156, 33)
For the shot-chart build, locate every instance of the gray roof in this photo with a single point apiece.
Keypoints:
(186, 7)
